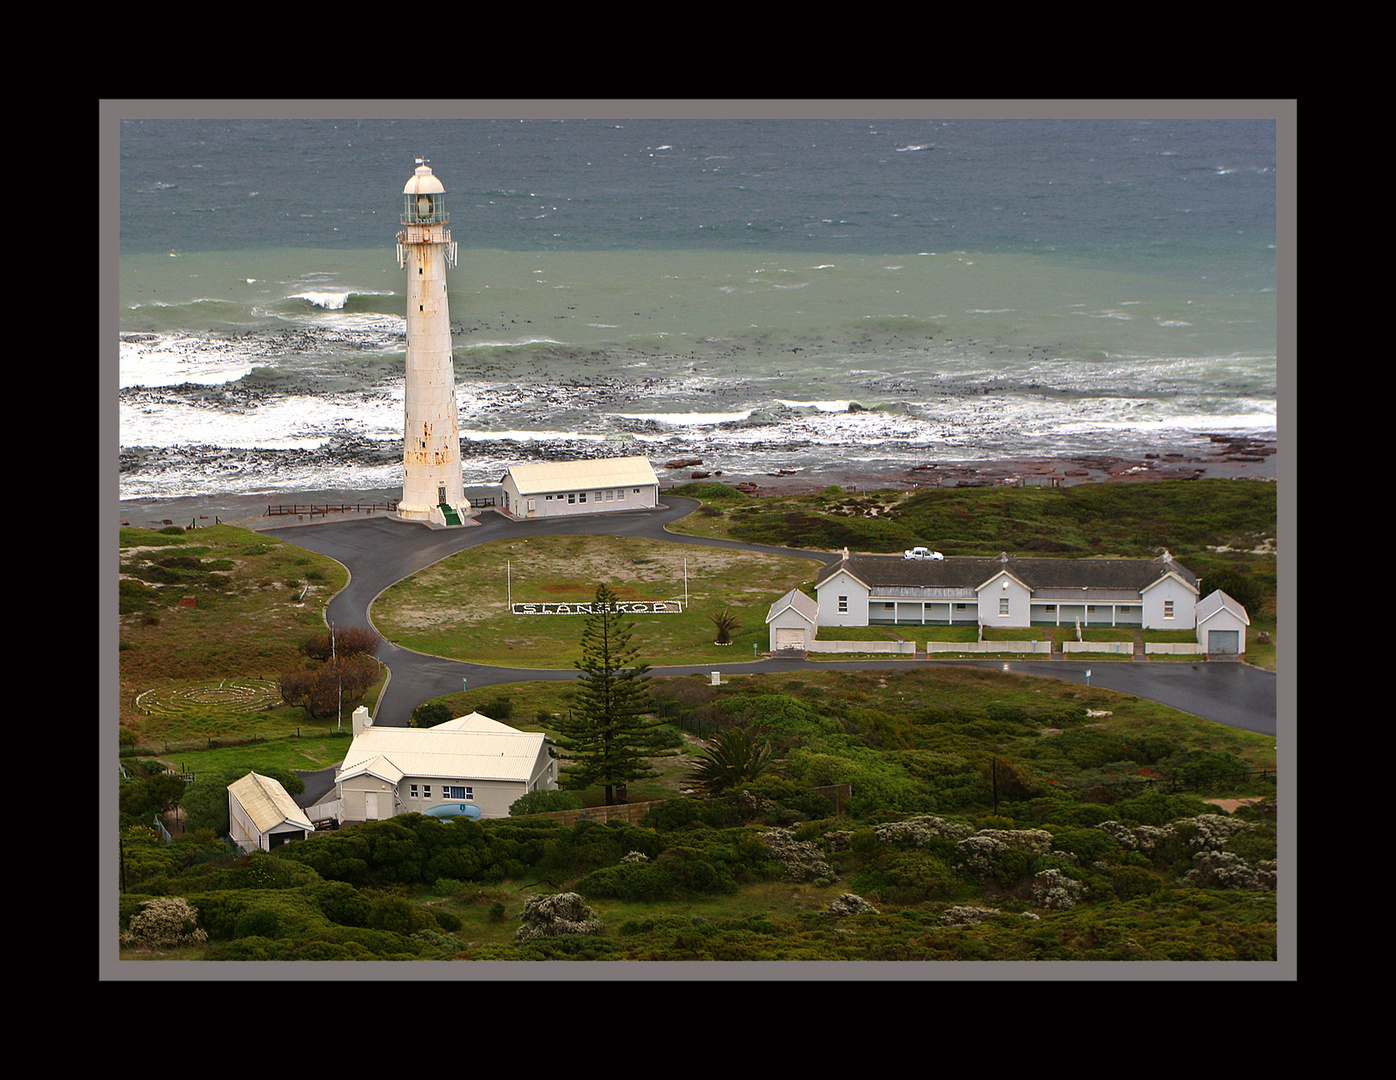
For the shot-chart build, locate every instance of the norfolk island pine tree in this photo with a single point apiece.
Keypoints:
(605, 734)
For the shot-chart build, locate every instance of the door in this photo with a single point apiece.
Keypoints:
(370, 806)
(1224, 642)
(787, 638)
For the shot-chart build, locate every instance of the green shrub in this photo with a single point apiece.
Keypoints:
(543, 802)
(257, 922)
(430, 713)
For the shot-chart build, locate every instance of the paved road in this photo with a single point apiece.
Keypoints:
(381, 551)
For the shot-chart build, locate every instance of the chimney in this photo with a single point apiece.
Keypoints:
(361, 721)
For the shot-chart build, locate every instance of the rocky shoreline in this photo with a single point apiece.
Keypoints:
(1230, 457)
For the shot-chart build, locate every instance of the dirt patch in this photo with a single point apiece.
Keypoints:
(1231, 805)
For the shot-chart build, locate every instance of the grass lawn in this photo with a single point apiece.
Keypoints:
(459, 608)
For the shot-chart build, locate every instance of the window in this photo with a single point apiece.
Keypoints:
(1003, 605)
(414, 791)
(571, 496)
(843, 603)
(889, 607)
(1168, 609)
(581, 496)
(453, 791)
(547, 498)
(620, 493)
(426, 791)
(1050, 607)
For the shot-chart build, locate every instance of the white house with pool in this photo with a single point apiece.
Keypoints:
(589, 486)
(1007, 591)
(471, 763)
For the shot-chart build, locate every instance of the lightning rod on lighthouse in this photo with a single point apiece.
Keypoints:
(432, 488)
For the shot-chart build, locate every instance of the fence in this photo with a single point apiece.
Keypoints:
(313, 509)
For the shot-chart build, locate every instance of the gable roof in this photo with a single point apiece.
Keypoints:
(267, 803)
(1041, 575)
(1216, 602)
(797, 601)
(472, 747)
(549, 476)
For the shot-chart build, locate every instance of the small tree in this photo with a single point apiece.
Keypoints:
(338, 683)
(342, 641)
(725, 622)
(732, 758)
(606, 735)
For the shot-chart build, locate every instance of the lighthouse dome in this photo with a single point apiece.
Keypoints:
(423, 182)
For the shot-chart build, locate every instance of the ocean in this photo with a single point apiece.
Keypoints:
(761, 295)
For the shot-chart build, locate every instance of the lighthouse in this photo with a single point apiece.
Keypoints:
(432, 489)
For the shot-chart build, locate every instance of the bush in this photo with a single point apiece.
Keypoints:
(542, 802)
(430, 713)
(164, 923)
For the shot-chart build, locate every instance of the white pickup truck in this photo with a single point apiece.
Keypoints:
(922, 553)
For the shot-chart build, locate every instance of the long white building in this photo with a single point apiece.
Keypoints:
(1154, 594)
(594, 485)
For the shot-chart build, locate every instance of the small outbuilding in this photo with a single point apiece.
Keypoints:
(262, 814)
(1221, 625)
(589, 486)
(793, 620)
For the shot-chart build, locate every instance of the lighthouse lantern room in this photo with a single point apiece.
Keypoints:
(432, 488)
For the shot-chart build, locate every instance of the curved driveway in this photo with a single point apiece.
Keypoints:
(380, 551)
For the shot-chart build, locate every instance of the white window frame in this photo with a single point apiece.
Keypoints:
(1003, 605)
(1168, 609)
(843, 605)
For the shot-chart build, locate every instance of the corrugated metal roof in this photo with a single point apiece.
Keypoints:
(550, 476)
(267, 803)
(468, 747)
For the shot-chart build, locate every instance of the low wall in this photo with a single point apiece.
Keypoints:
(1043, 647)
(907, 648)
(1122, 648)
(1177, 648)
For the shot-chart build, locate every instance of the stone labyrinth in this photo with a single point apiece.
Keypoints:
(243, 695)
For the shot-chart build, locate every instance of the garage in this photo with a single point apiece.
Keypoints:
(792, 622)
(1221, 626)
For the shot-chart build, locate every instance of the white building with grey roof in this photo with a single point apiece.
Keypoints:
(1008, 591)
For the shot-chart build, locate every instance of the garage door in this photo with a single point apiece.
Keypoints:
(790, 638)
(1223, 641)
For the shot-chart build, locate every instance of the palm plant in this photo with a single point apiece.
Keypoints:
(725, 622)
(731, 758)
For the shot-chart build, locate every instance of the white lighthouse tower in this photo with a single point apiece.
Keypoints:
(432, 489)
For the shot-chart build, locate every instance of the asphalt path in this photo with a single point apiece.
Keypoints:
(381, 551)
